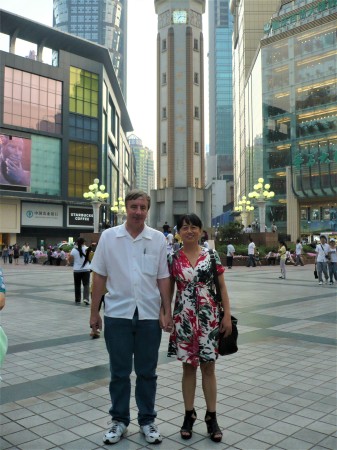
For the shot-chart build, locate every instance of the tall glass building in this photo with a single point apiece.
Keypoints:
(102, 22)
(220, 160)
(144, 164)
(291, 116)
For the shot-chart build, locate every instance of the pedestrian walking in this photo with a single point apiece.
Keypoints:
(322, 255)
(283, 257)
(10, 254)
(332, 264)
(5, 254)
(131, 261)
(25, 249)
(194, 340)
(298, 253)
(16, 254)
(230, 255)
(81, 267)
(251, 253)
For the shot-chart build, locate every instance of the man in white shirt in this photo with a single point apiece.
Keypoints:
(130, 263)
(322, 250)
(251, 253)
(230, 254)
(298, 252)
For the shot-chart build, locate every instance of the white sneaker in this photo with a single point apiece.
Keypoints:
(320, 283)
(116, 432)
(86, 301)
(151, 433)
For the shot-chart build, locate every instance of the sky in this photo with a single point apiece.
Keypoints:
(141, 59)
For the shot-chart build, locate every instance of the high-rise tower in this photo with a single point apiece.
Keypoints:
(103, 22)
(180, 113)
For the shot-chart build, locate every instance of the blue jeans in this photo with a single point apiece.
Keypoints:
(322, 267)
(332, 271)
(125, 338)
(251, 261)
(26, 257)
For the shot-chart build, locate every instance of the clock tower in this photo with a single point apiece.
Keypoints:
(180, 114)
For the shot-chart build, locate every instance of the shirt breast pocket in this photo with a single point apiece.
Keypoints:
(149, 265)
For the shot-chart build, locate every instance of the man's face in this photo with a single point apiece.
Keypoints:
(136, 211)
(12, 151)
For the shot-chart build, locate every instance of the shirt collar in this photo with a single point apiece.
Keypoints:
(122, 232)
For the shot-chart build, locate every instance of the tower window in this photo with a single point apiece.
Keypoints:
(163, 148)
(163, 115)
(196, 148)
(196, 78)
(163, 78)
(196, 44)
(196, 112)
(196, 182)
(163, 45)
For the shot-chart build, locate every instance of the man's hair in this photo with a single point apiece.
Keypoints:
(135, 194)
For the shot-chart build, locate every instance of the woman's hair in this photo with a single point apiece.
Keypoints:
(80, 242)
(282, 243)
(87, 255)
(190, 219)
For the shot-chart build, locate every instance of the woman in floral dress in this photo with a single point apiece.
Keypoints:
(196, 321)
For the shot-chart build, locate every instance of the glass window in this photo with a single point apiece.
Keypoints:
(83, 86)
(82, 167)
(33, 97)
(46, 166)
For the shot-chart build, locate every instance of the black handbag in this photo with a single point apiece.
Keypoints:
(227, 345)
(315, 272)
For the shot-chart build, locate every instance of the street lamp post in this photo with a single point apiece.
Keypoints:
(261, 194)
(244, 209)
(97, 196)
(119, 210)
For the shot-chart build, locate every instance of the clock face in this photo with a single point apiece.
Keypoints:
(179, 16)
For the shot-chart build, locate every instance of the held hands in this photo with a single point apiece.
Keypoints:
(165, 321)
(226, 325)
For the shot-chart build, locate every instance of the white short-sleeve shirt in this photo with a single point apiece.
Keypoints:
(322, 250)
(132, 267)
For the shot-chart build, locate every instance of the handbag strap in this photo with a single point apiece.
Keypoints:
(215, 273)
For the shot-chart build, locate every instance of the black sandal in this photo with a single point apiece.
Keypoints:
(189, 419)
(212, 427)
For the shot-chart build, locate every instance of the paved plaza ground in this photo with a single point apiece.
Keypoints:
(277, 392)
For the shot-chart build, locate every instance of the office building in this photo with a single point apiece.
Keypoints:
(63, 123)
(291, 116)
(180, 113)
(103, 22)
(144, 164)
(220, 29)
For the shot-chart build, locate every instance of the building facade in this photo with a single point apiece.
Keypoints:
(102, 22)
(220, 29)
(249, 18)
(63, 123)
(144, 164)
(180, 113)
(291, 117)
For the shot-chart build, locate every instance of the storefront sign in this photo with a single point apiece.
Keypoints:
(41, 215)
(80, 217)
(302, 14)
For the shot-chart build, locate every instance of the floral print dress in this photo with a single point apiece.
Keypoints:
(196, 313)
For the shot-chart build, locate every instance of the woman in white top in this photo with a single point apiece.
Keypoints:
(81, 271)
(333, 260)
(322, 250)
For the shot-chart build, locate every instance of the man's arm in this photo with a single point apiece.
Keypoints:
(164, 286)
(98, 289)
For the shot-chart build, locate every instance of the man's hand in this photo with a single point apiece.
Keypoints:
(165, 320)
(95, 322)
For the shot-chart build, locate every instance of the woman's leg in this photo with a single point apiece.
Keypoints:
(189, 383)
(209, 384)
(77, 285)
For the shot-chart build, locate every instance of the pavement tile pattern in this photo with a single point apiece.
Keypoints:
(277, 392)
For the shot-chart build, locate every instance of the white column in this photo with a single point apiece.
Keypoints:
(95, 208)
(262, 214)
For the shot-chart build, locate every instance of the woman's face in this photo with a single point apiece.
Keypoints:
(190, 232)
